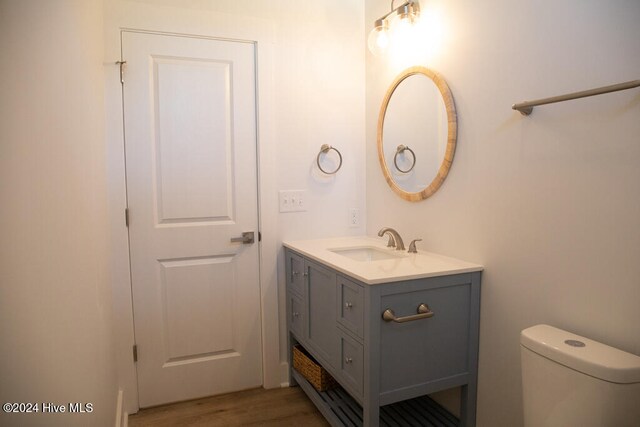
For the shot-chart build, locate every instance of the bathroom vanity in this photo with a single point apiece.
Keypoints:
(389, 326)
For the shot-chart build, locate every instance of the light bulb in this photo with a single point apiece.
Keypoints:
(378, 40)
(404, 43)
(403, 29)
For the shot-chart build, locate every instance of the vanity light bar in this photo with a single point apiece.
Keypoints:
(379, 35)
(408, 8)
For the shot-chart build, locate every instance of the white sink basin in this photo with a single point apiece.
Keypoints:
(366, 253)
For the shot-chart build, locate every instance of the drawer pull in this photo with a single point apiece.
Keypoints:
(423, 313)
(348, 305)
(295, 314)
(294, 274)
(348, 360)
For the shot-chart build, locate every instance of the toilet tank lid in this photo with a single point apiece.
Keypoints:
(594, 358)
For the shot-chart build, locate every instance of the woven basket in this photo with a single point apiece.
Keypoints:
(311, 370)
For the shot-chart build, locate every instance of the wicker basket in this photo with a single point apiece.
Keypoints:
(311, 370)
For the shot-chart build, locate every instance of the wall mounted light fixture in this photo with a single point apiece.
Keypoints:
(395, 23)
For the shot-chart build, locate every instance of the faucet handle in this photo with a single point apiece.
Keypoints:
(412, 246)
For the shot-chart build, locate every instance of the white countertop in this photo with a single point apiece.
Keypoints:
(404, 267)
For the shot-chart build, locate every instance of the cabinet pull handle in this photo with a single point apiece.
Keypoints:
(348, 305)
(294, 274)
(423, 313)
(295, 314)
(348, 360)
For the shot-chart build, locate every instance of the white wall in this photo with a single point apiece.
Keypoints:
(550, 203)
(311, 92)
(55, 311)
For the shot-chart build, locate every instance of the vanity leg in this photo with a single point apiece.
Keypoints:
(468, 405)
(469, 391)
(372, 319)
(371, 415)
(290, 344)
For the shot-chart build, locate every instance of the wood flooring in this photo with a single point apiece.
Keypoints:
(280, 407)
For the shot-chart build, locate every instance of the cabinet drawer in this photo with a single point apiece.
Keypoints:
(420, 351)
(350, 305)
(296, 316)
(351, 364)
(295, 273)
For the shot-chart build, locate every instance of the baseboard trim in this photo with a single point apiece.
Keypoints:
(120, 420)
(284, 374)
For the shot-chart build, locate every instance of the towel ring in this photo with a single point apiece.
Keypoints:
(401, 149)
(325, 149)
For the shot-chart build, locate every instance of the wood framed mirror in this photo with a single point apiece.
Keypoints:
(417, 133)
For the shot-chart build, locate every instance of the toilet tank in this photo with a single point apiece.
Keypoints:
(569, 380)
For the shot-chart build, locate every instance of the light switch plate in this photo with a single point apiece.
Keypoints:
(292, 200)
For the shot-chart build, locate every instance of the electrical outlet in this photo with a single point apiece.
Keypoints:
(354, 217)
(292, 200)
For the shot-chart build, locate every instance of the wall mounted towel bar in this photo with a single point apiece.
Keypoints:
(525, 108)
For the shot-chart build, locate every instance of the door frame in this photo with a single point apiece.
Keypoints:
(261, 36)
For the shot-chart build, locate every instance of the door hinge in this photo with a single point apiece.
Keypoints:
(126, 217)
(122, 66)
(259, 236)
(135, 352)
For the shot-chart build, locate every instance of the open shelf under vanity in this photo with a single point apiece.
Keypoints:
(340, 409)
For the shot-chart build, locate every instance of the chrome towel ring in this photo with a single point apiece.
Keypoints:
(401, 149)
(325, 149)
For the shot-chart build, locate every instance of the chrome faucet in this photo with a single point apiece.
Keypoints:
(397, 240)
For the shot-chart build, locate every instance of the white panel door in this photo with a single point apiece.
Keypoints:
(190, 137)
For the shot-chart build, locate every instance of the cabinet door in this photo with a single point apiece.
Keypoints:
(321, 333)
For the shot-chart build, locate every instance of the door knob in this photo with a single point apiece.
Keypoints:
(247, 238)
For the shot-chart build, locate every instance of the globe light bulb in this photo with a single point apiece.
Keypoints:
(403, 29)
(378, 40)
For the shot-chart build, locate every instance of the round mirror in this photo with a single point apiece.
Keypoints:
(417, 131)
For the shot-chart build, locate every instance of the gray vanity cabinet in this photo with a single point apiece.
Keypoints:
(385, 366)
